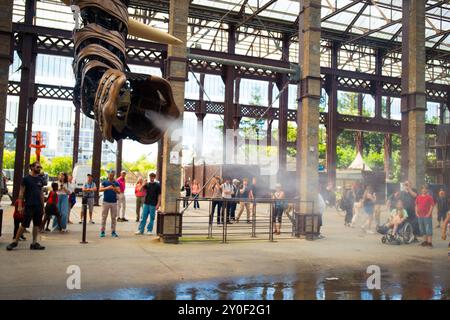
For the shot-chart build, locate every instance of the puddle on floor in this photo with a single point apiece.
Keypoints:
(311, 286)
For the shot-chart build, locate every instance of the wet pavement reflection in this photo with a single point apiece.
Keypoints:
(395, 285)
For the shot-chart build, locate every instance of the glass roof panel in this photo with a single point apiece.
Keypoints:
(255, 39)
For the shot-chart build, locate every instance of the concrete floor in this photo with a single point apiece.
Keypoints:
(141, 267)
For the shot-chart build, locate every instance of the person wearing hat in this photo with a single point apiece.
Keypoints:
(110, 189)
(88, 190)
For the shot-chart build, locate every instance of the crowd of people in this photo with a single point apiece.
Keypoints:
(33, 206)
(227, 193)
(404, 204)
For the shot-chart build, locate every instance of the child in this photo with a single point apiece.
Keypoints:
(424, 209)
(398, 216)
(18, 219)
(51, 208)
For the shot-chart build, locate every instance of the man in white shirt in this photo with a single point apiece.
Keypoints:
(227, 191)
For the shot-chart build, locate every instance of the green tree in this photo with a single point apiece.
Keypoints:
(60, 164)
(348, 103)
(140, 166)
(375, 160)
(8, 159)
(345, 155)
(45, 163)
(104, 170)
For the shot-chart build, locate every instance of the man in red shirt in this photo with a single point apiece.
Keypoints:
(424, 209)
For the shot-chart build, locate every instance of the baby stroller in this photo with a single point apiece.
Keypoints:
(404, 234)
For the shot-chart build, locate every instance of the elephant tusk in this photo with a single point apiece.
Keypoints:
(140, 30)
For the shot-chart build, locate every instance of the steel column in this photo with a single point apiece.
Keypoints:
(269, 120)
(229, 81)
(282, 81)
(97, 159)
(26, 86)
(359, 135)
(30, 110)
(378, 90)
(6, 57)
(200, 113)
(119, 157)
(76, 135)
(159, 162)
(237, 118)
(29, 134)
(413, 98)
(171, 172)
(387, 154)
(160, 151)
(308, 109)
(332, 124)
(388, 107)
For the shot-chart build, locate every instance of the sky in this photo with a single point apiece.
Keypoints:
(132, 150)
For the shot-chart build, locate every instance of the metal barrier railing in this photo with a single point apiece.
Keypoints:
(225, 225)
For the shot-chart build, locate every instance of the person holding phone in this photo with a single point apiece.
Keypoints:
(110, 189)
